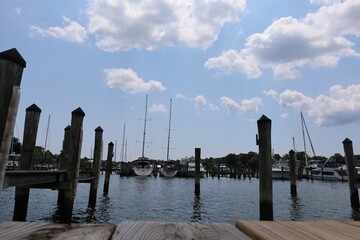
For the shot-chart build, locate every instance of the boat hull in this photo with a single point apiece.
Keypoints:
(168, 173)
(143, 168)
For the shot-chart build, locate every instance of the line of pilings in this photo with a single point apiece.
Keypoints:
(69, 161)
(12, 65)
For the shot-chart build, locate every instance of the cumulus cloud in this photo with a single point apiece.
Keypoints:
(146, 24)
(340, 107)
(246, 105)
(271, 93)
(72, 31)
(128, 81)
(320, 39)
(124, 25)
(157, 108)
(201, 104)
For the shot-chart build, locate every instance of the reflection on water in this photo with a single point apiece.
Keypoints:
(173, 199)
(295, 208)
(198, 209)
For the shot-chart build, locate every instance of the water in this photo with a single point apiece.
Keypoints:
(173, 199)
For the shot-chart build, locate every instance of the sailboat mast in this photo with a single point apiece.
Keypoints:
(143, 146)
(168, 145)
(46, 136)
(122, 145)
(302, 127)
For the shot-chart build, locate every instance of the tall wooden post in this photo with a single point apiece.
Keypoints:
(108, 167)
(64, 156)
(265, 162)
(292, 173)
(197, 170)
(11, 69)
(26, 162)
(351, 172)
(73, 164)
(96, 166)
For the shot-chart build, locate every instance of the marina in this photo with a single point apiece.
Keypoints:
(172, 199)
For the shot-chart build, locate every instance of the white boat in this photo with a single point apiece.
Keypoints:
(190, 165)
(280, 170)
(142, 166)
(330, 170)
(169, 169)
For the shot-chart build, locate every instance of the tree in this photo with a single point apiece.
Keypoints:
(15, 146)
(338, 158)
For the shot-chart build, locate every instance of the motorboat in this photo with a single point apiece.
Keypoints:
(280, 170)
(330, 170)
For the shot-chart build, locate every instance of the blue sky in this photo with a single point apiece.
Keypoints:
(224, 63)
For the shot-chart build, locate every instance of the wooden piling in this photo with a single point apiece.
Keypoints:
(108, 167)
(265, 165)
(96, 166)
(351, 172)
(73, 164)
(26, 162)
(64, 156)
(197, 170)
(293, 191)
(11, 69)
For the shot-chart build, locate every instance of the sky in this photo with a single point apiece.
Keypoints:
(223, 63)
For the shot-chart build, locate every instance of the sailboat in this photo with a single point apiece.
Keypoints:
(142, 166)
(169, 169)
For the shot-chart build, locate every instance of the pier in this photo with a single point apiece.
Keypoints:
(153, 230)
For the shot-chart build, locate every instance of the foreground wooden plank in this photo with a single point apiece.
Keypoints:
(44, 230)
(325, 229)
(176, 230)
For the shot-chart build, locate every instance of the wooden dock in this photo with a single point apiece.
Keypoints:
(325, 229)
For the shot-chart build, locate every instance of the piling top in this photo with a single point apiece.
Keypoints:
(68, 127)
(33, 108)
(78, 111)
(346, 140)
(111, 144)
(264, 119)
(14, 56)
(99, 129)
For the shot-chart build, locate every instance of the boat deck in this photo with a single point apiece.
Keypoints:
(326, 229)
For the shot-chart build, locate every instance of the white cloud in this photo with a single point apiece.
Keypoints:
(284, 115)
(18, 11)
(271, 93)
(72, 31)
(128, 81)
(201, 104)
(157, 108)
(246, 105)
(323, 2)
(182, 96)
(342, 106)
(320, 39)
(127, 24)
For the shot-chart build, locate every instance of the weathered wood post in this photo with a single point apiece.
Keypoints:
(73, 164)
(197, 170)
(108, 167)
(265, 163)
(26, 162)
(292, 173)
(64, 156)
(351, 172)
(96, 166)
(11, 68)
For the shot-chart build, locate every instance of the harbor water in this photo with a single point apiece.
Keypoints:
(172, 199)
